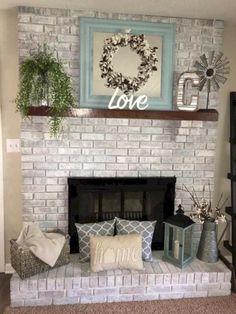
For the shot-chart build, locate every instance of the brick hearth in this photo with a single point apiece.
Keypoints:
(160, 280)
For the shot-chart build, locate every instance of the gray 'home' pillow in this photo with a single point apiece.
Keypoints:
(145, 228)
(104, 228)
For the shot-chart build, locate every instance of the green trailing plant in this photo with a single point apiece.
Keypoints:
(43, 80)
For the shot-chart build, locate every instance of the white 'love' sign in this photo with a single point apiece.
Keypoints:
(125, 101)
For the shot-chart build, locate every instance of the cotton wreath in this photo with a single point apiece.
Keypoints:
(148, 63)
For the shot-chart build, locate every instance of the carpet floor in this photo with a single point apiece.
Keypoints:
(216, 305)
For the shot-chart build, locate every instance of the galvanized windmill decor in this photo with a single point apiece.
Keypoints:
(212, 70)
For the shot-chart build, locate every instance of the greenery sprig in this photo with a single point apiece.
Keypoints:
(44, 80)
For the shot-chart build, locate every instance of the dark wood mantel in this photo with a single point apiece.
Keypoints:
(203, 115)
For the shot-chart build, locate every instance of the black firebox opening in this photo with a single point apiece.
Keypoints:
(99, 199)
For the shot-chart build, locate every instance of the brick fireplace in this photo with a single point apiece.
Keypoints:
(106, 147)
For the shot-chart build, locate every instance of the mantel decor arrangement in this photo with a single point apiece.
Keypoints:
(204, 213)
(44, 82)
(121, 69)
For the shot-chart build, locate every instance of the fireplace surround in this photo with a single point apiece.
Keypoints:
(102, 145)
(99, 199)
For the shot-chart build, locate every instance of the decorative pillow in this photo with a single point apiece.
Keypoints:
(145, 228)
(123, 251)
(85, 230)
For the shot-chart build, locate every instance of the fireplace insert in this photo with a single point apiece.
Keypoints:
(99, 199)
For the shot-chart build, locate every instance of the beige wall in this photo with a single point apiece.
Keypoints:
(11, 121)
(222, 163)
(10, 124)
(222, 184)
(2, 238)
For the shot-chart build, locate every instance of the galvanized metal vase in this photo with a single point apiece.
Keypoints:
(207, 249)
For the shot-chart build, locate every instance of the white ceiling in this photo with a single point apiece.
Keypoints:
(212, 9)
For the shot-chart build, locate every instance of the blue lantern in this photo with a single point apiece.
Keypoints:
(178, 244)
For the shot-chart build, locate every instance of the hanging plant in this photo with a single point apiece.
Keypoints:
(148, 64)
(43, 81)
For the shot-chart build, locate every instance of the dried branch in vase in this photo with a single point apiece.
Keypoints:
(203, 209)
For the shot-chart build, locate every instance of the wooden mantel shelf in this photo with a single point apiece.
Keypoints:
(203, 115)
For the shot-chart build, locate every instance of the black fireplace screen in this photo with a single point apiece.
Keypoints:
(99, 199)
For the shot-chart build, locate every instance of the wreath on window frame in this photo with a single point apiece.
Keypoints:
(148, 64)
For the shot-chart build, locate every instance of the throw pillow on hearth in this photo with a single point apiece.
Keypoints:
(118, 252)
(145, 228)
(84, 231)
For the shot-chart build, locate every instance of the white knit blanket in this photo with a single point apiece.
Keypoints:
(46, 246)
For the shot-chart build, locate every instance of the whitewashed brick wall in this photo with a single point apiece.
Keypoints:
(112, 147)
